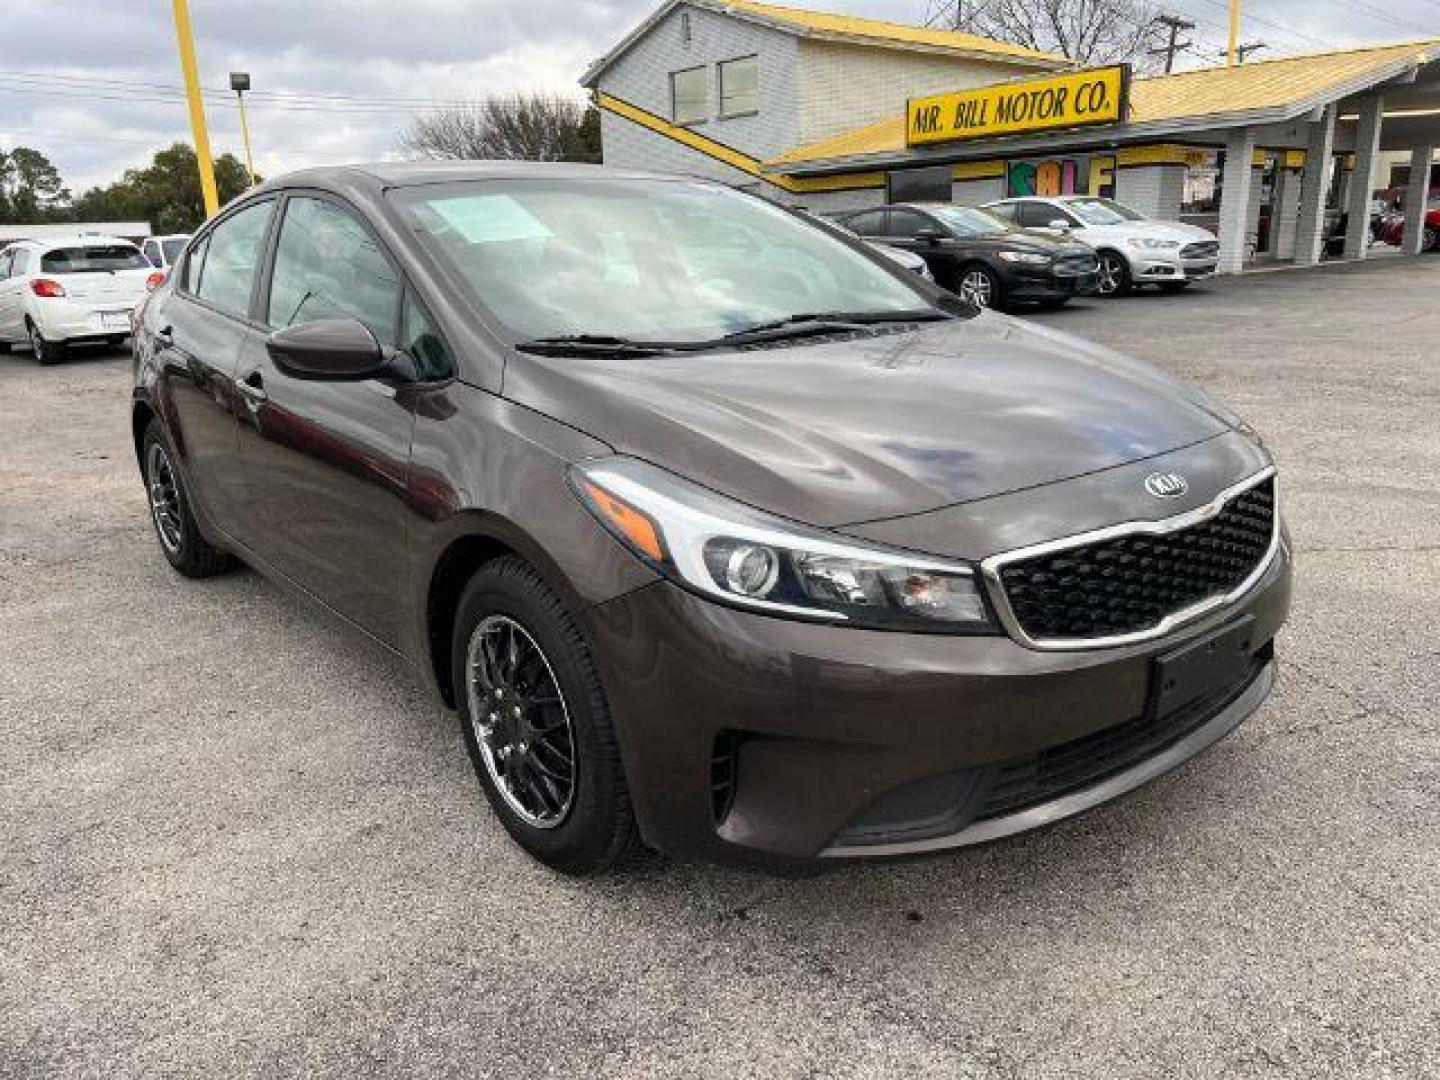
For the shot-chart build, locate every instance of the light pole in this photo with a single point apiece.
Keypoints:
(240, 82)
(186, 41)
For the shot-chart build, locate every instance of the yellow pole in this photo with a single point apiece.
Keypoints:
(1234, 50)
(245, 134)
(186, 40)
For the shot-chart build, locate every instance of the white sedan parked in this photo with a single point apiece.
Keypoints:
(69, 290)
(1132, 249)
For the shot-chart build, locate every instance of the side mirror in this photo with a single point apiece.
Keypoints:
(327, 349)
(929, 236)
(1059, 225)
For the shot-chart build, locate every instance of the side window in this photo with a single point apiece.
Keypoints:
(907, 223)
(870, 223)
(232, 254)
(1038, 215)
(1004, 210)
(189, 280)
(328, 267)
(426, 347)
(152, 252)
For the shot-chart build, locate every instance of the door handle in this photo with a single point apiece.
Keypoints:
(252, 389)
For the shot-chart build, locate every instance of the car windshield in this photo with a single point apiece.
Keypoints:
(172, 248)
(1103, 211)
(90, 259)
(970, 221)
(642, 260)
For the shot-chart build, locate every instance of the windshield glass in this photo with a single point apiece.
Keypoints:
(969, 221)
(646, 260)
(1103, 211)
(92, 259)
(172, 248)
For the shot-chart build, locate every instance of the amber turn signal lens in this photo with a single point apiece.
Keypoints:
(635, 525)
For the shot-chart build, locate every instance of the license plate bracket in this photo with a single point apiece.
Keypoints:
(1219, 661)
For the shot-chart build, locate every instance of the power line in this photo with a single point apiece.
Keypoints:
(1175, 24)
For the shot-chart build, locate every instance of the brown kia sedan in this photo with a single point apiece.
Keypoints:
(719, 531)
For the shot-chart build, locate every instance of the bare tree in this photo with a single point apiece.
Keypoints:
(1087, 31)
(529, 127)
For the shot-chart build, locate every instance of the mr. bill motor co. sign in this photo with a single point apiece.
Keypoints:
(1075, 99)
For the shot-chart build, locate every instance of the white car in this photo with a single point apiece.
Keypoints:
(1132, 249)
(163, 251)
(69, 290)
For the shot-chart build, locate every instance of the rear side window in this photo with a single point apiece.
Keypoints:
(907, 223)
(868, 224)
(1005, 210)
(328, 267)
(172, 250)
(232, 253)
(92, 259)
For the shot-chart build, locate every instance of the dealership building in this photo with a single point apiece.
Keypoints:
(834, 113)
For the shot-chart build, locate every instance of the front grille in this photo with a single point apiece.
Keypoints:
(1128, 584)
(1203, 249)
(1076, 265)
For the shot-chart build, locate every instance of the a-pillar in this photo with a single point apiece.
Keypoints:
(1415, 199)
(1357, 201)
(1314, 186)
(1235, 200)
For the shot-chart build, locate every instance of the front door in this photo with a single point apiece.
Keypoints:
(325, 462)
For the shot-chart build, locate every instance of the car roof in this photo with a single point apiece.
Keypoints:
(51, 243)
(390, 174)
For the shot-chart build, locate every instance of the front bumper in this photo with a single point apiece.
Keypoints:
(749, 739)
(1048, 285)
(1152, 269)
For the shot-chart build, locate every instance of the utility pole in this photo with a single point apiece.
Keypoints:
(1175, 24)
(1242, 51)
(1233, 56)
(240, 82)
(186, 41)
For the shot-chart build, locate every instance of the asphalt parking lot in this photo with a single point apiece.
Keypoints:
(233, 842)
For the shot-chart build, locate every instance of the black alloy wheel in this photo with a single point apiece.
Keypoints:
(1114, 274)
(536, 721)
(175, 527)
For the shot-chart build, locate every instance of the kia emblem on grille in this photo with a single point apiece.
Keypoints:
(1166, 485)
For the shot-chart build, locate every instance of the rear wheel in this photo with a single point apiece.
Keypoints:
(536, 722)
(1114, 274)
(979, 287)
(175, 527)
(46, 352)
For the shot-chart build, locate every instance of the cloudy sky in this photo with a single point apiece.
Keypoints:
(95, 84)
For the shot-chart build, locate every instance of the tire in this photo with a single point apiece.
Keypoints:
(46, 352)
(1430, 239)
(175, 527)
(1114, 278)
(1174, 287)
(577, 820)
(978, 286)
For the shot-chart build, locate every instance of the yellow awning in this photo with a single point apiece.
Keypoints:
(1219, 91)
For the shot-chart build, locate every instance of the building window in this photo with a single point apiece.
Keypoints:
(685, 29)
(740, 86)
(688, 97)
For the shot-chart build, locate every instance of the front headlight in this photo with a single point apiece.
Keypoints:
(1150, 243)
(1031, 258)
(734, 553)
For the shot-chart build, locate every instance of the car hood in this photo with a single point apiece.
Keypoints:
(841, 432)
(1160, 230)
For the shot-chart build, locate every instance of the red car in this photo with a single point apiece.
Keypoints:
(1392, 229)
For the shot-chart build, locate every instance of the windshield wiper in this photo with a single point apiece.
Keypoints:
(810, 323)
(593, 345)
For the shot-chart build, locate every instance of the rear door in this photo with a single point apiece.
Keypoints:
(942, 255)
(198, 329)
(326, 463)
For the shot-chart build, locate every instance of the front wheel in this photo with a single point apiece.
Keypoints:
(536, 722)
(979, 287)
(1114, 275)
(174, 521)
(46, 352)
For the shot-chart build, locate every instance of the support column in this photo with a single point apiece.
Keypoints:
(1284, 211)
(1357, 202)
(1314, 184)
(1415, 197)
(1235, 200)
